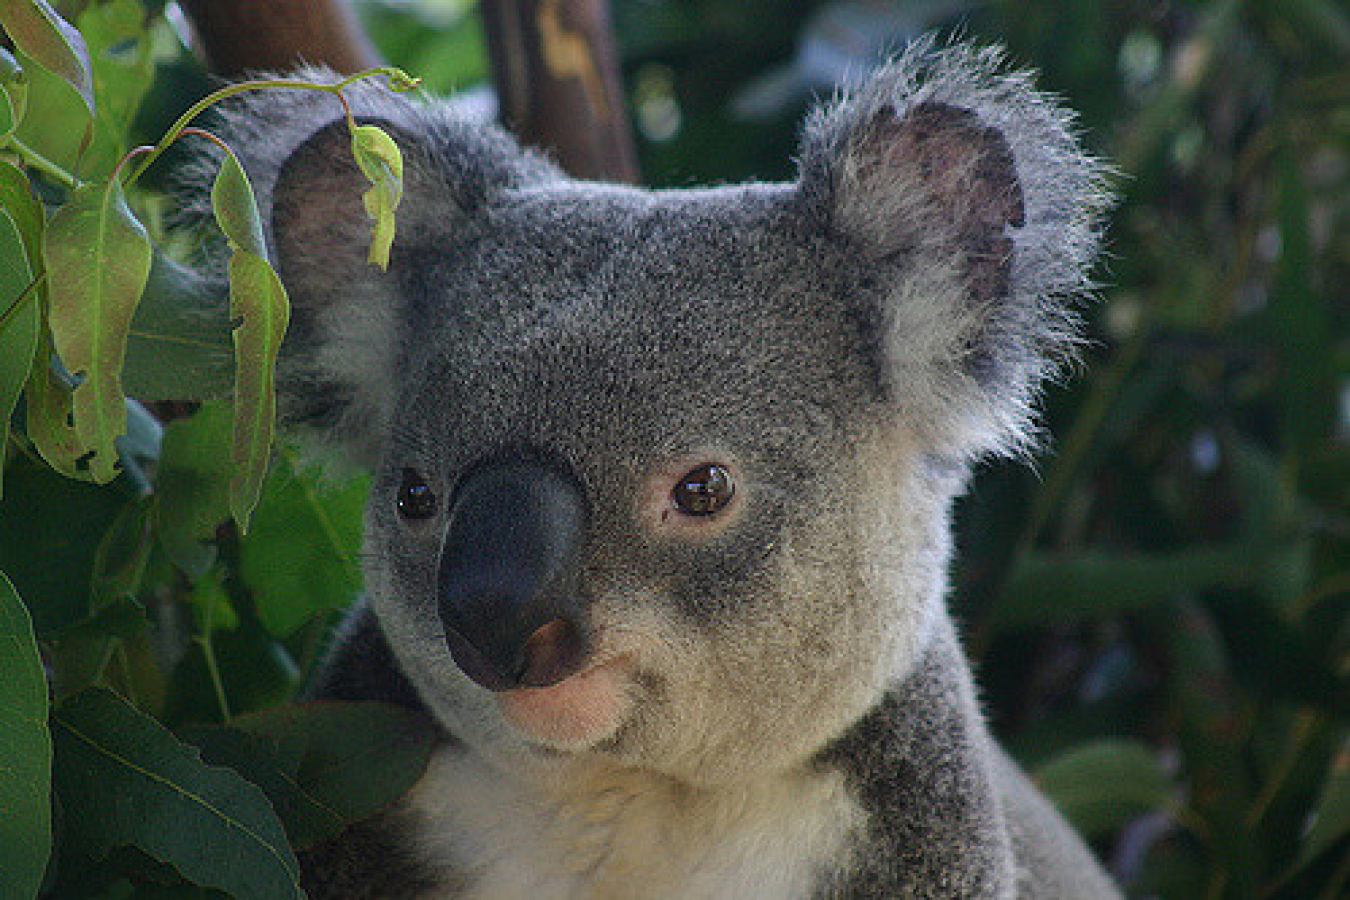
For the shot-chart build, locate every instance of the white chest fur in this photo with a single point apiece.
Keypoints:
(590, 830)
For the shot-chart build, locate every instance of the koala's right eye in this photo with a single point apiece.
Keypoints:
(416, 500)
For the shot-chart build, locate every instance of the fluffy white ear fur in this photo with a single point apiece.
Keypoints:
(971, 187)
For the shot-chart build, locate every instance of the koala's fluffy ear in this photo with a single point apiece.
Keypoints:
(342, 356)
(965, 188)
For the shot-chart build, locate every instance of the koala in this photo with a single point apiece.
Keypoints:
(658, 531)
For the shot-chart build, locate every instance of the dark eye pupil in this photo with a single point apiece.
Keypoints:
(415, 497)
(703, 491)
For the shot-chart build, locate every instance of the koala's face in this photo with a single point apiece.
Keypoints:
(665, 476)
(711, 573)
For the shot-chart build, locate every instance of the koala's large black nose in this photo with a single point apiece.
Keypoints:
(506, 584)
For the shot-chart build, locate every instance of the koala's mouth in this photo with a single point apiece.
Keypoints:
(577, 712)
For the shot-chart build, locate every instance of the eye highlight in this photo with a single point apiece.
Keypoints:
(416, 500)
(703, 491)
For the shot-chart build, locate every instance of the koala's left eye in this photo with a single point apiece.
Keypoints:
(704, 491)
(416, 500)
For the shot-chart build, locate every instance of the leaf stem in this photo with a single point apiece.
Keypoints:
(398, 79)
(35, 160)
(212, 667)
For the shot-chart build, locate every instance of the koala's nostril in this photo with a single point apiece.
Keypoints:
(552, 653)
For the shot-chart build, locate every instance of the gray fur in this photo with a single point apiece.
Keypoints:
(798, 713)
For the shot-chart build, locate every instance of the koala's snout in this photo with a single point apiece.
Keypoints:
(507, 584)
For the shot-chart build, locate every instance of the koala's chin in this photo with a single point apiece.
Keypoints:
(661, 486)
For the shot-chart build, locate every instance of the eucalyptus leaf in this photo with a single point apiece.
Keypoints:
(178, 347)
(20, 319)
(258, 300)
(300, 557)
(123, 66)
(97, 256)
(1330, 818)
(236, 208)
(380, 160)
(123, 779)
(192, 487)
(25, 753)
(1102, 785)
(9, 116)
(41, 33)
(49, 404)
(323, 766)
(16, 198)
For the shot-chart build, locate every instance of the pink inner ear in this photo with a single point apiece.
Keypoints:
(967, 166)
(966, 170)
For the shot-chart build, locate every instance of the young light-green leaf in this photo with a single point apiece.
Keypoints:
(382, 163)
(97, 258)
(236, 208)
(123, 779)
(25, 753)
(52, 42)
(258, 301)
(19, 321)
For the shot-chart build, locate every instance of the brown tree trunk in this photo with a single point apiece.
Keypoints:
(557, 79)
(240, 36)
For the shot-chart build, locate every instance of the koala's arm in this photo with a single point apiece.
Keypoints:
(948, 814)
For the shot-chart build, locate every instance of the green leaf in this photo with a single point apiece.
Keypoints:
(98, 260)
(16, 198)
(236, 208)
(121, 557)
(382, 163)
(1047, 587)
(78, 655)
(1329, 821)
(192, 487)
(179, 344)
(49, 403)
(20, 319)
(10, 70)
(25, 753)
(1102, 785)
(323, 766)
(300, 558)
(120, 51)
(211, 604)
(123, 779)
(50, 529)
(13, 90)
(258, 300)
(41, 33)
(9, 117)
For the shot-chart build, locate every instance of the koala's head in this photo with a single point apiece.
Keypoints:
(665, 475)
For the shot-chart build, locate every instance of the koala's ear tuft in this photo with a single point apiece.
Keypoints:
(350, 320)
(966, 190)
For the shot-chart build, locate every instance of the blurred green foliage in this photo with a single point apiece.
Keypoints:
(1159, 606)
